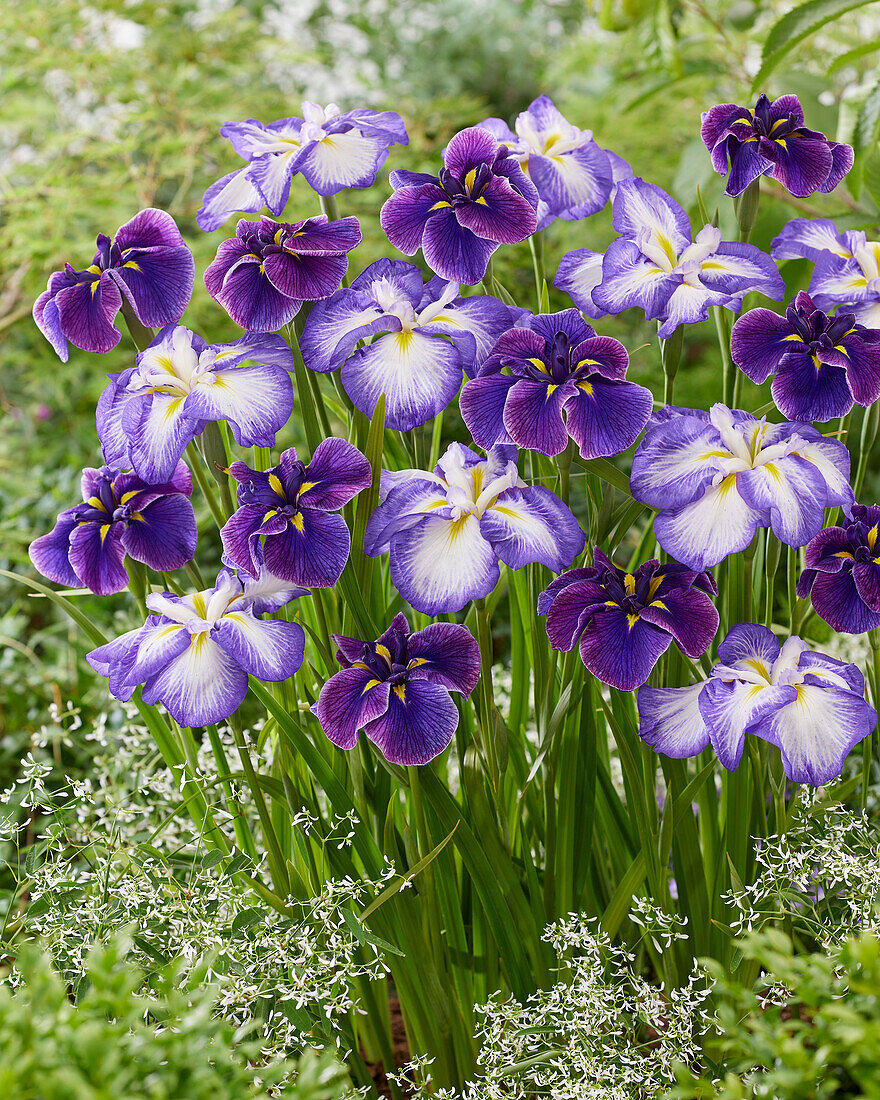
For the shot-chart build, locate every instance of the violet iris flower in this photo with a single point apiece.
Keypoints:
(120, 514)
(447, 530)
(822, 364)
(564, 381)
(770, 139)
(481, 199)
(284, 519)
(196, 653)
(811, 706)
(623, 622)
(396, 690)
(150, 412)
(422, 338)
(263, 275)
(146, 262)
(331, 150)
(656, 265)
(717, 477)
(573, 175)
(847, 271)
(842, 574)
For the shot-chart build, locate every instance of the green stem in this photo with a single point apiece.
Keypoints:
(536, 247)
(197, 467)
(141, 335)
(867, 744)
(563, 465)
(722, 328)
(745, 206)
(670, 358)
(487, 696)
(870, 424)
(217, 461)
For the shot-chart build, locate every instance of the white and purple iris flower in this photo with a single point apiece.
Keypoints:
(847, 271)
(150, 412)
(655, 264)
(770, 139)
(622, 623)
(717, 477)
(263, 275)
(120, 515)
(480, 200)
(811, 706)
(330, 149)
(423, 337)
(842, 574)
(285, 518)
(563, 381)
(396, 690)
(573, 175)
(447, 530)
(196, 653)
(146, 263)
(821, 364)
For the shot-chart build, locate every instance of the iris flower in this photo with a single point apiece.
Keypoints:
(150, 412)
(717, 477)
(120, 515)
(821, 364)
(573, 175)
(422, 337)
(811, 706)
(396, 690)
(146, 262)
(624, 622)
(770, 139)
(481, 199)
(263, 275)
(842, 575)
(330, 149)
(196, 653)
(656, 265)
(285, 520)
(447, 530)
(564, 381)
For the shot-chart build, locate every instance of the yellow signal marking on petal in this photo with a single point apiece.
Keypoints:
(816, 363)
(94, 287)
(360, 664)
(654, 584)
(777, 123)
(791, 336)
(872, 537)
(171, 408)
(588, 363)
(104, 529)
(845, 554)
(132, 264)
(714, 454)
(138, 516)
(539, 364)
(773, 472)
(370, 684)
(126, 497)
(277, 238)
(782, 142)
(306, 485)
(96, 503)
(384, 652)
(666, 244)
(551, 389)
(94, 269)
(586, 387)
(632, 620)
(610, 603)
(404, 339)
(438, 206)
(399, 692)
(505, 511)
(199, 604)
(481, 201)
(629, 583)
(297, 522)
(456, 527)
(275, 482)
(660, 604)
(470, 178)
(727, 485)
(753, 691)
(757, 666)
(272, 512)
(857, 283)
(416, 661)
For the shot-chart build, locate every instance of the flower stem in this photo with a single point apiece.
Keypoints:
(745, 206)
(487, 696)
(217, 461)
(670, 357)
(868, 743)
(141, 336)
(536, 247)
(197, 466)
(563, 465)
(722, 328)
(870, 424)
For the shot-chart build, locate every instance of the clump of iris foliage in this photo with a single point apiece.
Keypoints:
(438, 577)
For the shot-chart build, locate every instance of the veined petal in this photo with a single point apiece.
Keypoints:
(256, 400)
(49, 552)
(792, 491)
(271, 174)
(86, 312)
(630, 279)
(831, 459)
(863, 369)
(809, 238)
(801, 165)
(241, 535)
(836, 599)
(96, 556)
(758, 342)
(481, 403)
(621, 650)
(671, 722)
(735, 268)
(570, 605)
(687, 305)
(158, 644)
(689, 616)
(406, 213)
(605, 417)
(418, 724)
(446, 654)
(202, 686)
(311, 551)
(703, 532)
(500, 214)
(347, 702)
(533, 416)
(731, 709)
(248, 296)
(404, 505)
(163, 535)
(469, 149)
(334, 326)
(271, 650)
(306, 277)
(340, 160)
(835, 281)
(803, 391)
(159, 428)
(231, 194)
(115, 659)
(336, 474)
(580, 272)
(532, 525)
(454, 251)
(158, 284)
(749, 642)
(677, 461)
(575, 184)
(264, 348)
(639, 206)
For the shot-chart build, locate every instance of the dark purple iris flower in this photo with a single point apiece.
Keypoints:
(284, 520)
(624, 622)
(481, 199)
(822, 364)
(120, 514)
(842, 575)
(264, 274)
(396, 690)
(563, 381)
(771, 140)
(146, 262)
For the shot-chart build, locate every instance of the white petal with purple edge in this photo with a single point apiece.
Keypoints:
(271, 650)
(202, 686)
(704, 532)
(792, 491)
(730, 709)
(639, 206)
(532, 525)
(580, 272)
(808, 238)
(256, 400)
(230, 195)
(349, 159)
(160, 437)
(671, 722)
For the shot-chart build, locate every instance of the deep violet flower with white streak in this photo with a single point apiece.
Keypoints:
(717, 477)
(196, 652)
(447, 530)
(422, 338)
(811, 706)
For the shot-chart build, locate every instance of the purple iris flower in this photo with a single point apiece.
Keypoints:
(120, 514)
(196, 653)
(842, 574)
(481, 199)
(146, 262)
(422, 337)
(396, 690)
(564, 381)
(264, 274)
(624, 622)
(573, 175)
(284, 519)
(149, 413)
(771, 140)
(811, 706)
(821, 364)
(331, 150)
(717, 477)
(847, 271)
(657, 266)
(447, 530)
